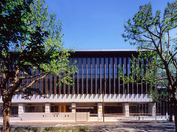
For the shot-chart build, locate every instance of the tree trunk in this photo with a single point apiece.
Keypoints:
(6, 113)
(170, 111)
(175, 105)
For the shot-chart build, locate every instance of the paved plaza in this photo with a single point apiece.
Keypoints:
(108, 127)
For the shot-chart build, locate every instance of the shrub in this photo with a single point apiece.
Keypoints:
(22, 129)
(82, 129)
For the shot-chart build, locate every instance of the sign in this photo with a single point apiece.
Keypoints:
(99, 110)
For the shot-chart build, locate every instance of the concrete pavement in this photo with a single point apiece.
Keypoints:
(108, 127)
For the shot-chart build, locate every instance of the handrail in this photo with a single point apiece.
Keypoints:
(143, 114)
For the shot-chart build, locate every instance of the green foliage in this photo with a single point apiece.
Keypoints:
(66, 129)
(151, 34)
(145, 70)
(24, 129)
(82, 129)
(158, 97)
(30, 39)
(33, 38)
(53, 129)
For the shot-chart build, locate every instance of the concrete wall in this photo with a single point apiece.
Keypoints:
(83, 98)
(65, 116)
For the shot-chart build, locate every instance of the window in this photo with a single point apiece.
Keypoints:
(60, 108)
(13, 111)
(113, 109)
(34, 108)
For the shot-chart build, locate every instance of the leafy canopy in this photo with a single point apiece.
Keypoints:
(31, 39)
(153, 35)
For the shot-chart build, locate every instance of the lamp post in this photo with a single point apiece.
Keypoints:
(103, 97)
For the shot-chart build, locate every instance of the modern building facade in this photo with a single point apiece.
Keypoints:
(97, 94)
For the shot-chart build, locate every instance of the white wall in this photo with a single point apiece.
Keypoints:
(83, 98)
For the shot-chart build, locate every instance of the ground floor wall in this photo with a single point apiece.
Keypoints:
(81, 111)
(92, 107)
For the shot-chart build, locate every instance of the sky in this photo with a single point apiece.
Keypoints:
(97, 24)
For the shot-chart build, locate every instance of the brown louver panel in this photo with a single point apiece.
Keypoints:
(131, 84)
(60, 86)
(100, 78)
(95, 75)
(41, 85)
(118, 63)
(82, 76)
(77, 77)
(50, 83)
(37, 83)
(55, 90)
(32, 81)
(28, 80)
(132, 75)
(142, 63)
(114, 75)
(73, 78)
(86, 75)
(105, 75)
(64, 87)
(127, 68)
(46, 84)
(137, 83)
(123, 73)
(91, 75)
(109, 74)
(145, 72)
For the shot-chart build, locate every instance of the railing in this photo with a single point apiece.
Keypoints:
(123, 114)
(114, 114)
(143, 114)
(93, 115)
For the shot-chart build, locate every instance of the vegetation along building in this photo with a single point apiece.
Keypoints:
(97, 94)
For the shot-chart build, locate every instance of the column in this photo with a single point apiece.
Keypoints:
(47, 107)
(152, 108)
(20, 110)
(100, 113)
(126, 109)
(73, 105)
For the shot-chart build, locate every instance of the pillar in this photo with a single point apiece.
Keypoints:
(152, 108)
(73, 105)
(47, 107)
(100, 111)
(20, 110)
(126, 109)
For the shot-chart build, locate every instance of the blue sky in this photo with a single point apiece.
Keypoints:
(97, 24)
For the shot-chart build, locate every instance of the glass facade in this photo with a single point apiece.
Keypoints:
(97, 73)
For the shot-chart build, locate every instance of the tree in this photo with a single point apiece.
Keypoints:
(152, 33)
(30, 39)
(144, 72)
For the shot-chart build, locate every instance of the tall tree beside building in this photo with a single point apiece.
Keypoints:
(30, 39)
(157, 33)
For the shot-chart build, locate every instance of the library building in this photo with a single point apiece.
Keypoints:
(98, 94)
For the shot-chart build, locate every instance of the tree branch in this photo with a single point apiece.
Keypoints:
(29, 77)
(31, 83)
